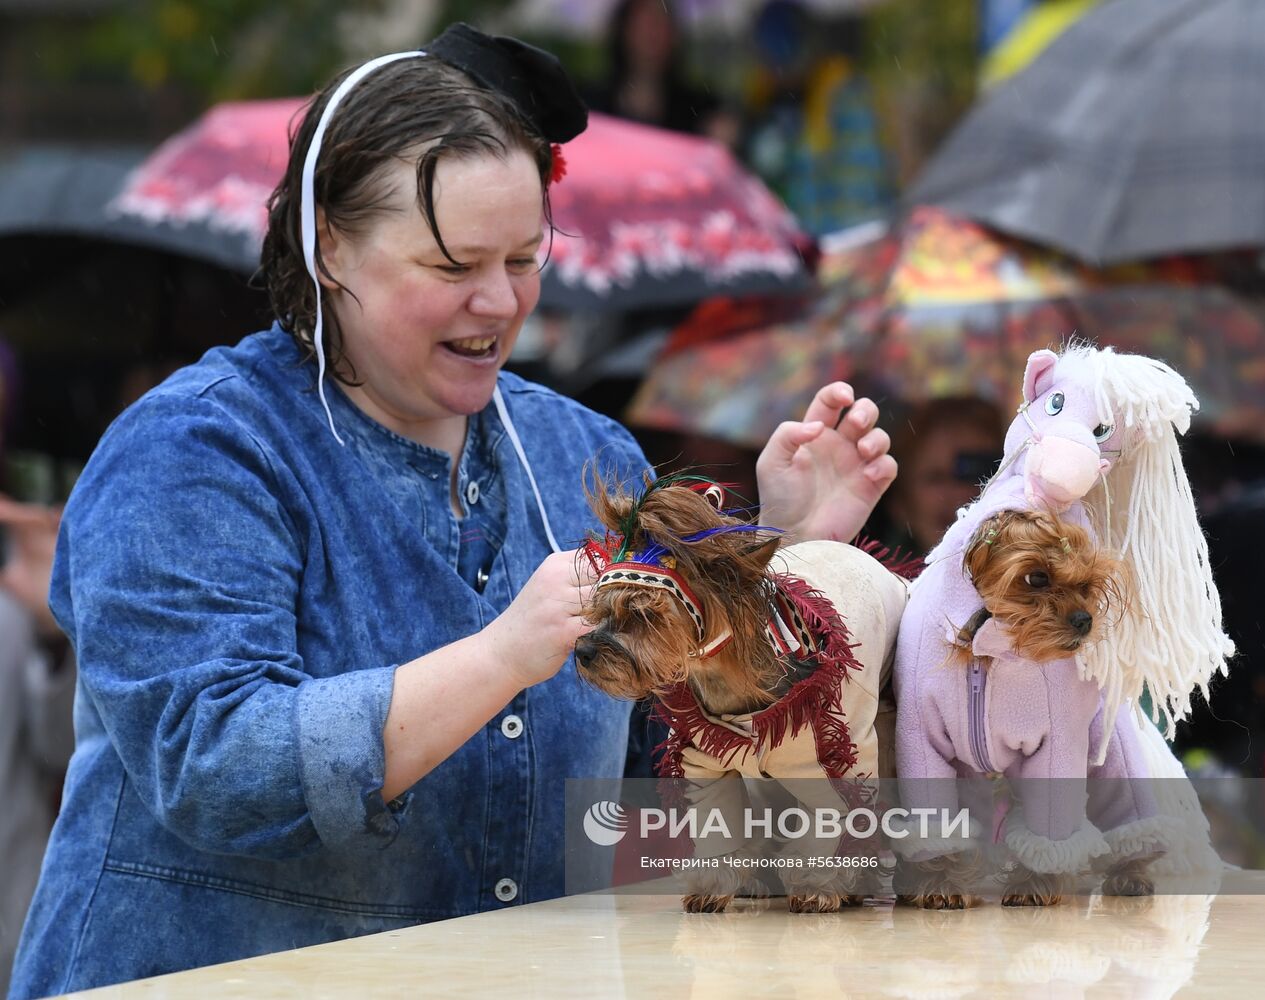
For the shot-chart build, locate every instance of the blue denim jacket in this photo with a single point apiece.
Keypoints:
(239, 589)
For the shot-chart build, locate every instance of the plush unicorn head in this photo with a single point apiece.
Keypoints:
(1099, 429)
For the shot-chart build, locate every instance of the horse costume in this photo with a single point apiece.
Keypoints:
(1094, 442)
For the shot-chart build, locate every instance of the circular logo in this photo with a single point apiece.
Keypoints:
(606, 823)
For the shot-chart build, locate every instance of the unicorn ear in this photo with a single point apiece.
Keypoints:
(1038, 373)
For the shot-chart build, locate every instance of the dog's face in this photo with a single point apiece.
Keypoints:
(1045, 581)
(644, 640)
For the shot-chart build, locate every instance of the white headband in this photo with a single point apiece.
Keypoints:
(307, 209)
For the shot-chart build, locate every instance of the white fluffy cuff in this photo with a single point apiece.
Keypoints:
(1142, 836)
(1041, 854)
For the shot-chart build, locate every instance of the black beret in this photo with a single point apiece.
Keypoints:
(531, 78)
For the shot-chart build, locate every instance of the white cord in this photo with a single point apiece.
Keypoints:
(503, 413)
(307, 210)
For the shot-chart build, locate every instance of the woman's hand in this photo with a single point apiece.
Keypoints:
(440, 700)
(32, 540)
(817, 480)
(536, 633)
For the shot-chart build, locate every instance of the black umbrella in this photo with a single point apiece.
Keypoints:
(70, 191)
(1137, 133)
(91, 299)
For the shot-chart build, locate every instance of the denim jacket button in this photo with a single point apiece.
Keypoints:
(472, 493)
(506, 890)
(512, 727)
(481, 580)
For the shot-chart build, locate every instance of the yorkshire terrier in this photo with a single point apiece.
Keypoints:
(692, 609)
(1044, 580)
(1051, 589)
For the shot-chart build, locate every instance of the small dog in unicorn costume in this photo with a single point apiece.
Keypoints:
(1094, 444)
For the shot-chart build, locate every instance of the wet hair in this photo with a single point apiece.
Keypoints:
(418, 109)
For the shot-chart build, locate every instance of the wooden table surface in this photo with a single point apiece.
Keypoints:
(644, 946)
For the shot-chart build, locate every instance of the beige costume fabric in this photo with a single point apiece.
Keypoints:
(870, 599)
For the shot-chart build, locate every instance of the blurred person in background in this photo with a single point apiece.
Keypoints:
(946, 448)
(37, 683)
(646, 79)
(812, 132)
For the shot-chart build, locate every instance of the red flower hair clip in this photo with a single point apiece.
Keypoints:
(559, 170)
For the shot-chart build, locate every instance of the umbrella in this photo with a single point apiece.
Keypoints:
(201, 194)
(941, 306)
(1135, 134)
(204, 191)
(646, 218)
(652, 218)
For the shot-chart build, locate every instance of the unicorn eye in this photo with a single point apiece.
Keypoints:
(1102, 432)
(1054, 405)
(1037, 580)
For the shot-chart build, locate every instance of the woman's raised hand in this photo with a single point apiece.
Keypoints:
(821, 477)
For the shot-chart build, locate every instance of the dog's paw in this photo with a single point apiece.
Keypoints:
(814, 902)
(939, 900)
(1029, 888)
(937, 883)
(705, 903)
(1128, 879)
(1030, 899)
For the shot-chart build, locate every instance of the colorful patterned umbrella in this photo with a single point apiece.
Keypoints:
(645, 217)
(943, 307)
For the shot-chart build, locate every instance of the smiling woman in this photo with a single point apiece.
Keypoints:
(426, 325)
(323, 618)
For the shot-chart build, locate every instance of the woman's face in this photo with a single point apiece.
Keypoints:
(427, 336)
(649, 33)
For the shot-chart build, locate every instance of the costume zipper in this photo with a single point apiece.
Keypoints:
(977, 681)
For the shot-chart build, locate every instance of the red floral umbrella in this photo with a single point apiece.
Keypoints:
(942, 307)
(645, 217)
(203, 192)
(648, 217)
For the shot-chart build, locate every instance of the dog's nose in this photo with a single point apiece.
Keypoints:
(1082, 621)
(585, 650)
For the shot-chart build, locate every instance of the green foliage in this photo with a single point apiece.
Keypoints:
(922, 58)
(216, 49)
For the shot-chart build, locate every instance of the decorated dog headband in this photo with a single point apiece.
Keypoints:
(654, 566)
(530, 78)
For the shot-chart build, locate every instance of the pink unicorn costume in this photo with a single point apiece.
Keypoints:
(1039, 724)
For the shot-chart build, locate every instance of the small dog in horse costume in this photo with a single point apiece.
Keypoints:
(764, 663)
(1094, 444)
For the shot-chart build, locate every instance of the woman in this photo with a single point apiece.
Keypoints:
(645, 77)
(325, 686)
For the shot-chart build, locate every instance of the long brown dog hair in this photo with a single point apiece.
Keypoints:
(1034, 571)
(724, 559)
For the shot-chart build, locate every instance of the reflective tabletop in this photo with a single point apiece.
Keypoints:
(644, 945)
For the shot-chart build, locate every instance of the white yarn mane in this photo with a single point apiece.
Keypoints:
(1171, 642)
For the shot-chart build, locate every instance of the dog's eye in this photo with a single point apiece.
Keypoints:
(1054, 405)
(1037, 579)
(1102, 432)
